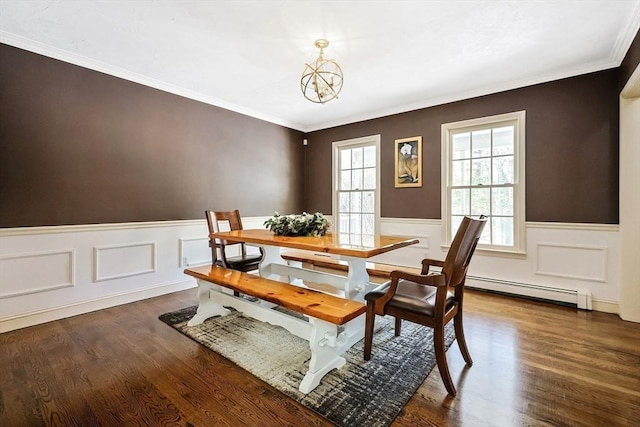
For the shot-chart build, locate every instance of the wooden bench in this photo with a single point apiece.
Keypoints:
(317, 260)
(325, 313)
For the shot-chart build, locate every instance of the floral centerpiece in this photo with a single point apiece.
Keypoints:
(298, 225)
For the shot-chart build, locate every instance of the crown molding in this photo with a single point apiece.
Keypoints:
(618, 52)
(91, 64)
(626, 35)
(460, 96)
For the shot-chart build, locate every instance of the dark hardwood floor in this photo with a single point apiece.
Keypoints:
(535, 364)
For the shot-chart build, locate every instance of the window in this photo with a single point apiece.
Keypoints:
(483, 174)
(356, 201)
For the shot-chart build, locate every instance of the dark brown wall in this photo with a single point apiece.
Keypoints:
(571, 152)
(79, 147)
(630, 61)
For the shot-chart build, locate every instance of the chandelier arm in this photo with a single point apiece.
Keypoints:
(322, 76)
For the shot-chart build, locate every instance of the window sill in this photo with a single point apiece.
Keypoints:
(501, 253)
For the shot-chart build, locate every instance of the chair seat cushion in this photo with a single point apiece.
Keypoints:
(410, 296)
(239, 263)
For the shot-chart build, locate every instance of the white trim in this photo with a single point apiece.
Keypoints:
(626, 35)
(50, 229)
(37, 317)
(181, 256)
(573, 226)
(53, 229)
(629, 177)
(335, 147)
(470, 94)
(72, 272)
(80, 228)
(632, 87)
(605, 306)
(572, 276)
(421, 221)
(528, 224)
(91, 64)
(96, 261)
(501, 253)
(617, 56)
(519, 184)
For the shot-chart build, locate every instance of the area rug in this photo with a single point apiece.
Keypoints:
(370, 394)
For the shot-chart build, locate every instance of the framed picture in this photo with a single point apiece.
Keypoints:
(408, 171)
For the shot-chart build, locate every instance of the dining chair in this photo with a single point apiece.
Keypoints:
(219, 255)
(431, 298)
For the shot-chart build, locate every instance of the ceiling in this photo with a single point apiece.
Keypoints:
(248, 56)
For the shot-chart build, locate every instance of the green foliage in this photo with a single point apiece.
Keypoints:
(298, 225)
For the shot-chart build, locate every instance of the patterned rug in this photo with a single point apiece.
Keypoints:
(359, 394)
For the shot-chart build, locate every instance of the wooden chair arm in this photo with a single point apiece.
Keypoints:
(427, 263)
(436, 280)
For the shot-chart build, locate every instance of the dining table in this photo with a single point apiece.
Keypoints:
(352, 248)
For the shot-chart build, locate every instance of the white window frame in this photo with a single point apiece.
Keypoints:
(354, 143)
(519, 232)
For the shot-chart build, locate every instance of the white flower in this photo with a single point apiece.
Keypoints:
(406, 150)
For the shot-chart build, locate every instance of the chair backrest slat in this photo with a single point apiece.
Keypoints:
(462, 248)
(214, 218)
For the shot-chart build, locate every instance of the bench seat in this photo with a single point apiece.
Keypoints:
(309, 302)
(324, 314)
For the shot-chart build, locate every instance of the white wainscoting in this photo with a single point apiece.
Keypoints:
(48, 273)
(55, 270)
(572, 263)
(119, 261)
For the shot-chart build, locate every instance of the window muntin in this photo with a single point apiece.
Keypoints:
(483, 174)
(356, 198)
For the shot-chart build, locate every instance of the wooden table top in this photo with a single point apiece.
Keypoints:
(330, 243)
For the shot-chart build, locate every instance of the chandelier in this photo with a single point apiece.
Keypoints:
(322, 79)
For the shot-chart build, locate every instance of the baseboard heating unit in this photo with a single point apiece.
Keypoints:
(581, 298)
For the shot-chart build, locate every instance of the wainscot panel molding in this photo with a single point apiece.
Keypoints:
(119, 261)
(564, 262)
(26, 319)
(67, 287)
(194, 251)
(579, 262)
(55, 271)
(48, 273)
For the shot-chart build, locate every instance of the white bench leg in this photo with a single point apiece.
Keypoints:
(206, 307)
(326, 345)
(326, 350)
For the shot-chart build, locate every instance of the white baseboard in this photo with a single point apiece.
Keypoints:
(606, 306)
(24, 320)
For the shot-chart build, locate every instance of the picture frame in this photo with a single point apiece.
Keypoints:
(408, 162)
